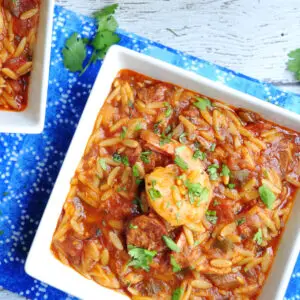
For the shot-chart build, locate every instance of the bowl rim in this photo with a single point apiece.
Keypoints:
(40, 265)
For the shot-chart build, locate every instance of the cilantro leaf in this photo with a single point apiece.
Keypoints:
(117, 157)
(293, 64)
(135, 171)
(199, 154)
(177, 294)
(202, 103)
(141, 258)
(266, 196)
(108, 10)
(123, 132)
(182, 138)
(107, 23)
(105, 39)
(131, 226)
(231, 186)
(258, 238)
(211, 216)
(240, 221)
(212, 147)
(181, 163)
(154, 193)
(213, 171)
(74, 53)
(165, 139)
(196, 190)
(169, 110)
(170, 243)
(225, 171)
(145, 156)
(102, 164)
(174, 264)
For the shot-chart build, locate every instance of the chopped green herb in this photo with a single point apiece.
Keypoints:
(196, 190)
(266, 196)
(102, 163)
(225, 171)
(231, 186)
(170, 243)
(121, 188)
(174, 264)
(165, 139)
(138, 126)
(135, 171)
(123, 132)
(240, 221)
(117, 157)
(258, 238)
(145, 156)
(154, 193)
(211, 216)
(177, 294)
(169, 109)
(182, 138)
(202, 103)
(138, 181)
(131, 226)
(212, 147)
(156, 127)
(180, 163)
(213, 171)
(199, 154)
(141, 258)
(108, 10)
(216, 203)
(168, 129)
(125, 161)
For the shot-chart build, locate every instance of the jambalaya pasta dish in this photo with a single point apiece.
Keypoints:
(178, 196)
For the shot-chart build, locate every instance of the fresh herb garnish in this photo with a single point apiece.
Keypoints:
(181, 163)
(212, 147)
(182, 138)
(169, 109)
(165, 139)
(177, 294)
(213, 171)
(75, 50)
(102, 163)
(231, 186)
(293, 64)
(131, 226)
(154, 193)
(174, 264)
(211, 216)
(196, 190)
(266, 196)
(123, 132)
(135, 171)
(156, 127)
(258, 238)
(202, 103)
(240, 221)
(139, 126)
(170, 243)
(216, 203)
(121, 159)
(145, 156)
(199, 154)
(225, 171)
(140, 258)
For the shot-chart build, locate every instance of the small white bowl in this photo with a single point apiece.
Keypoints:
(32, 119)
(42, 265)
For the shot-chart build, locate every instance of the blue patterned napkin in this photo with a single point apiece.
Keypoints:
(29, 164)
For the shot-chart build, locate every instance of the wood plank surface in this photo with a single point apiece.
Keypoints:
(249, 36)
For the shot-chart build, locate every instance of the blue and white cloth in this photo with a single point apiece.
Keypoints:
(29, 164)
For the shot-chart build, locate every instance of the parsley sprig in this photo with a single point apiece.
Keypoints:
(140, 257)
(293, 64)
(75, 50)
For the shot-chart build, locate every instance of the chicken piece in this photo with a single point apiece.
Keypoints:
(179, 193)
(146, 232)
(227, 281)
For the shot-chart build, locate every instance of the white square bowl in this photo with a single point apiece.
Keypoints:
(32, 118)
(42, 265)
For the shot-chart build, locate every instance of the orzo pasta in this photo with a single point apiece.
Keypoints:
(177, 194)
(18, 27)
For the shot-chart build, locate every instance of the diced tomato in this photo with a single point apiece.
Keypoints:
(224, 212)
(14, 63)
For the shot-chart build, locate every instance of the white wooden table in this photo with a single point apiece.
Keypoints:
(249, 36)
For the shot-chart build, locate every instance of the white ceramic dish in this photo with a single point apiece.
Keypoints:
(42, 265)
(32, 119)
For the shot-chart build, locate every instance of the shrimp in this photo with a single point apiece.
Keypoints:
(180, 193)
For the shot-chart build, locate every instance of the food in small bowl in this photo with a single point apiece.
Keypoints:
(178, 195)
(18, 29)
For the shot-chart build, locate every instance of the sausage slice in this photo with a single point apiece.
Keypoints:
(146, 232)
